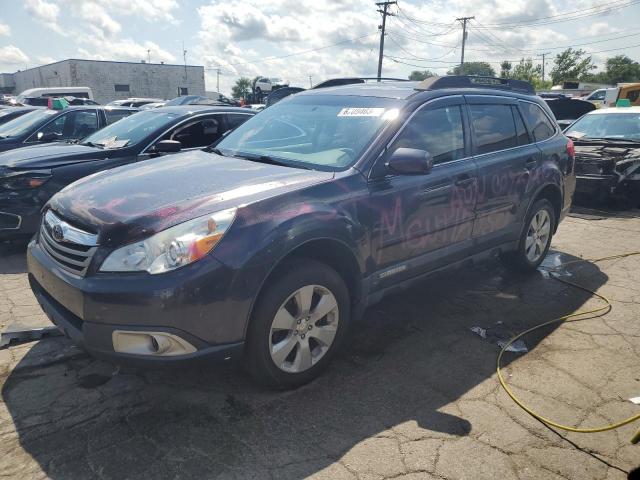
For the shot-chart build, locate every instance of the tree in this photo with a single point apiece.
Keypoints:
(417, 75)
(241, 87)
(571, 65)
(505, 69)
(474, 68)
(622, 69)
(525, 70)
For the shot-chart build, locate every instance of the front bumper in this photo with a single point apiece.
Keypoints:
(594, 184)
(190, 303)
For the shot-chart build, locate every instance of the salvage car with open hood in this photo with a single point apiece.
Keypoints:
(607, 143)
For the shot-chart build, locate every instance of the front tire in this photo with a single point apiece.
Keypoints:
(535, 238)
(298, 324)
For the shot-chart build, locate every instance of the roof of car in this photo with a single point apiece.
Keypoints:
(184, 109)
(399, 89)
(604, 111)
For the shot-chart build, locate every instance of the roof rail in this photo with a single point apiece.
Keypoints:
(336, 82)
(472, 81)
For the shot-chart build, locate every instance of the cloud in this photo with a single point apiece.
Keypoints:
(98, 17)
(45, 12)
(123, 50)
(12, 55)
(5, 30)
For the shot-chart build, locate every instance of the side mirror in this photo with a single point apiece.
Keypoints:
(47, 137)
(166, 146)
(410, 161)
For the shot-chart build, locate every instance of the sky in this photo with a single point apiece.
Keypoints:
(307, 41)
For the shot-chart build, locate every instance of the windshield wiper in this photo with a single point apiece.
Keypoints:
(217, 151)
(91, 144)
(270, 161)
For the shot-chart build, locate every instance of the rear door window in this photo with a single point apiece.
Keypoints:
(199, 133)
(539, 123)
(494, 128)
(438, 131)
(115, 115)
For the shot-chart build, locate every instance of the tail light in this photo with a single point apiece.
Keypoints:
(571, 149)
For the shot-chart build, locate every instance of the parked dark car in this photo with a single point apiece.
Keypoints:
(134, 102)
(8, 114)
(568, 110)
(271, 242)
(200, 100)
(30, 176)
(607, 143)
(45, 125)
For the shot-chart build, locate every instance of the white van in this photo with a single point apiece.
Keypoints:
(77, 92)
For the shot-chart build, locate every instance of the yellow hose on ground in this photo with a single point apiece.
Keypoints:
(574, 317)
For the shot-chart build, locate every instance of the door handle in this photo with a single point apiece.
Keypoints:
(463, 180)
(530, 164)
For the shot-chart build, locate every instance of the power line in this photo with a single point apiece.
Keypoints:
(563, 17)
(416, 57)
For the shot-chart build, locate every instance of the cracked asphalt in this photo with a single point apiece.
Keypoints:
(414, 396)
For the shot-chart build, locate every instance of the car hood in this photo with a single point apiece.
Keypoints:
(134, 201)
(7, 144)
(48, 155)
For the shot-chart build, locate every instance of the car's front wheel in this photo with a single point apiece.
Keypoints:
(298, 324)
(535, 238)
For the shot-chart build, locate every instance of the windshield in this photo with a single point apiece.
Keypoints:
(607, 125)
(26, 123)
(131, 130)
(318, 131)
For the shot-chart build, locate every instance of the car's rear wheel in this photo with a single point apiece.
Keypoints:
(298, 324)
(535, 239)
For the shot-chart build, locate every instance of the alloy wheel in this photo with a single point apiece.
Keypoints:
(538, 236)
(303, 329)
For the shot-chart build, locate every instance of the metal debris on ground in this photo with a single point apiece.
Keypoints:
(635, 400)
(27, 335)
(499, 336)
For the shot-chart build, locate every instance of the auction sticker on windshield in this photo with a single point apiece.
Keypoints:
(360, 112)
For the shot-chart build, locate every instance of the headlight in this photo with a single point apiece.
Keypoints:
(25, 181)
(172, 248)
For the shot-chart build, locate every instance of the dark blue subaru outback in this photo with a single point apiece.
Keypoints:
(270, 243)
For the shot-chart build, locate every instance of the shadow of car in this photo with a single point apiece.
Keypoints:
(410, 359)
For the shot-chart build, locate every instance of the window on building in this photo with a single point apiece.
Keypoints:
(437, 131)
(120, 87)
(494, 128)
(184, 91)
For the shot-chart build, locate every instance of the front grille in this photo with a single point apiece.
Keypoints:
(74, 251)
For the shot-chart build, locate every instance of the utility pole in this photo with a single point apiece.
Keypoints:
(543, 62)
(310, 82)
(148, 56)
(384, 12)
(184, 57)
(464, 21)
(218, 80)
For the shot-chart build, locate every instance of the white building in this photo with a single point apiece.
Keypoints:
(110, 80)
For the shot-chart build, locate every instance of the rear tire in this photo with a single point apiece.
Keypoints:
(535, 238)
(298, 324)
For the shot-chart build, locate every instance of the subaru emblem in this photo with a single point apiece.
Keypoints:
(57, 233)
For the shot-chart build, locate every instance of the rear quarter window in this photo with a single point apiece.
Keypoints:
(539, 123)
